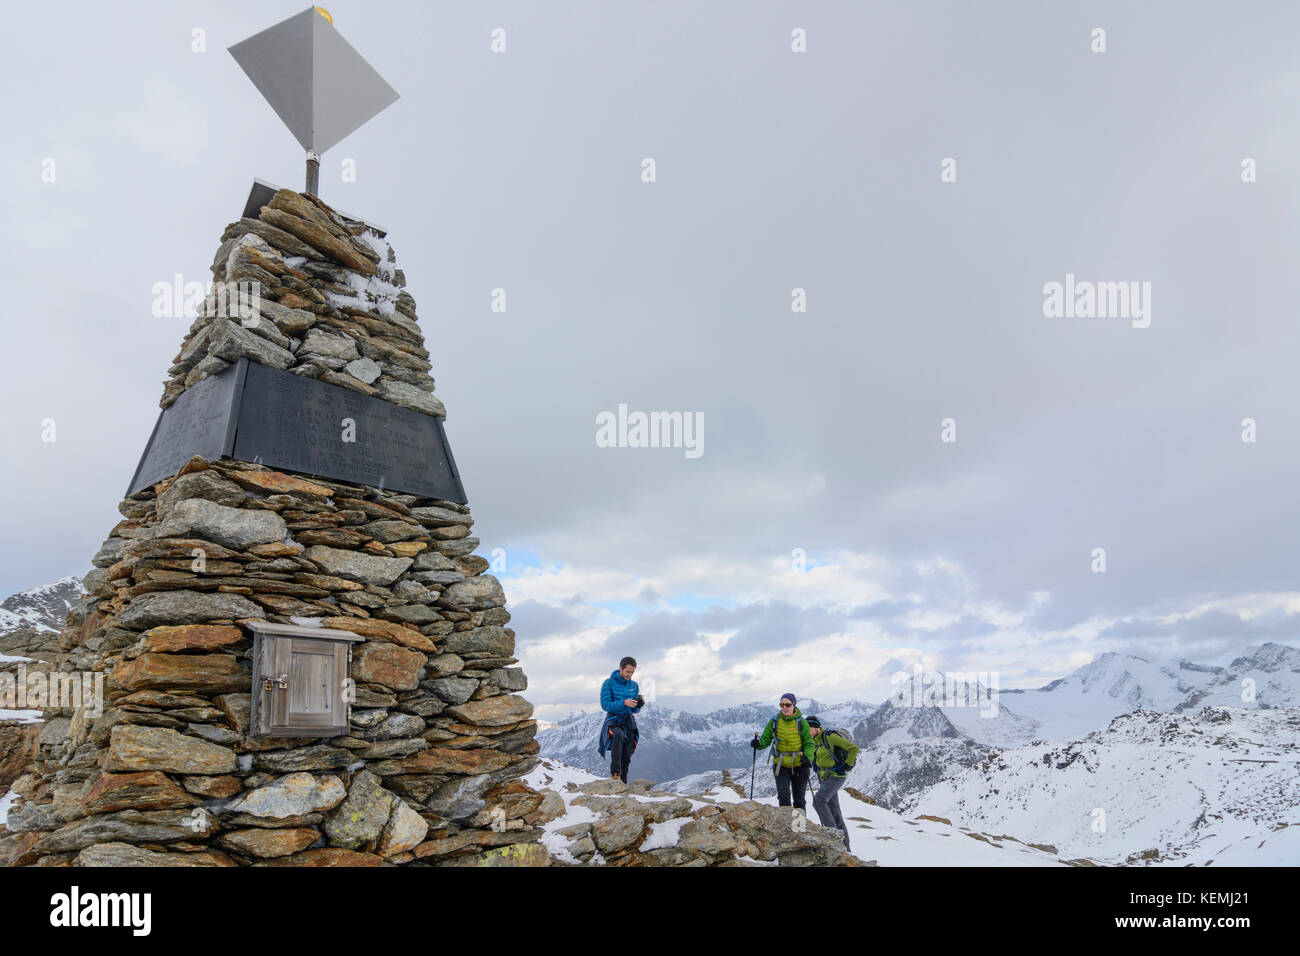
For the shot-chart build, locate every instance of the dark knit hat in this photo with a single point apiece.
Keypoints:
(812, 722)
(791, 698)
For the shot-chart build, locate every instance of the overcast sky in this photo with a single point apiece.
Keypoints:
(774, 171)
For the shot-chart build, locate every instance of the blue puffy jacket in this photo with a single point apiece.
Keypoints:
(614, 691)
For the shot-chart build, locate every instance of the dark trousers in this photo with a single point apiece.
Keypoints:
(620, 752)
(785, 776)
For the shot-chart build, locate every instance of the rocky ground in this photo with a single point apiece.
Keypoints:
(594, 821)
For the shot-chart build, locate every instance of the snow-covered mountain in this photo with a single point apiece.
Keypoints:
(1218, 786)
(908, 747)
(1221, 785)
(1116, 684)
(674, 743)
(43, 608)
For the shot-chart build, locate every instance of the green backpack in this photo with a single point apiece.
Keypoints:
(840, 754)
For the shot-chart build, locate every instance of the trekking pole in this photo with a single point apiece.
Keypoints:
(753, 766)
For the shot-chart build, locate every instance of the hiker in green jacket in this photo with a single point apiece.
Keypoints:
(834, 754)
(792, 751)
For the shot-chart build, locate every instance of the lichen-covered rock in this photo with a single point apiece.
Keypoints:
(358, 821)
(356, 565)
(410, 396)
(460, 797)
(493, 640)
(193, 637)
(295, 794)
(476, 593)
(617, 832)
(454, 690)
(446, 760)
(208, 484)
(129, 826)
(236, 528)
(311, 757)
(363, 370)
(388, 665)
(17, 748)
(516, 854)
(147, 790)
(509, 678)
(185, 607)
(158, 748)
(497, 711)
(211, 673)
(333, 346)
(229, 342)
(125, 854)
(404, 830)
(269, 843)
(327, 856)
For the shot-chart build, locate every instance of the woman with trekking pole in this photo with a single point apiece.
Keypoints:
(792, 752)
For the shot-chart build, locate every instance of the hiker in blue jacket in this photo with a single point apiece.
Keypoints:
(620, 699)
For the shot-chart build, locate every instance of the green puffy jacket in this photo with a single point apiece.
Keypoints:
(824, 757)
(793, 739)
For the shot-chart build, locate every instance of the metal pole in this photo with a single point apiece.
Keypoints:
(753, 766)
(313, 173)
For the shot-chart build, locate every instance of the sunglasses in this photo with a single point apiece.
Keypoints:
(786, 706)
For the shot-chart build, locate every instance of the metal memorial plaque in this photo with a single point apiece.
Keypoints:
(200, 422)
(289, 421)
(294, 422)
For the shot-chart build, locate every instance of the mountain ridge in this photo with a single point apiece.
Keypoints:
(42, 608)
(907, 748)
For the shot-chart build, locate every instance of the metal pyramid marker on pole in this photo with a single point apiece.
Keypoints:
(317, 83)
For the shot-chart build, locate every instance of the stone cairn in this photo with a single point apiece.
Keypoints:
(429, 773)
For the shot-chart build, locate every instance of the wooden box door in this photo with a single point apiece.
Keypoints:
(313, 700)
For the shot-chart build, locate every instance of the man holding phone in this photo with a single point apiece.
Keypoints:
(620, 699)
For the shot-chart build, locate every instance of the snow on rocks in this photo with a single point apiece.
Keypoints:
(376, 293)
(880, 837)
(606, 822)
(664, 834)
(7, 799)
(328, 293)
